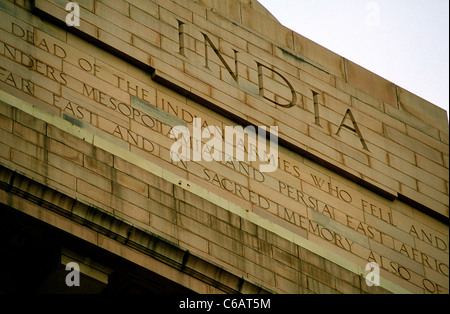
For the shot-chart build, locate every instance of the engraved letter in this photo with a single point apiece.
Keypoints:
(261, 86)
(316, 107)
(181, 38)
(354, 129)
(208, 41)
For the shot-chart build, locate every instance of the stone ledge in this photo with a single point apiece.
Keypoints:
(124, 233)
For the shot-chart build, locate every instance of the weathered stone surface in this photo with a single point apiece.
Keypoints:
(86, 115)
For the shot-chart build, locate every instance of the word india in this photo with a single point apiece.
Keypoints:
(219, 148)
(73, 19)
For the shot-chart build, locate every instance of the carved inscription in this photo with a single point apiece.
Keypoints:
(311, 203)
(292, 99)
